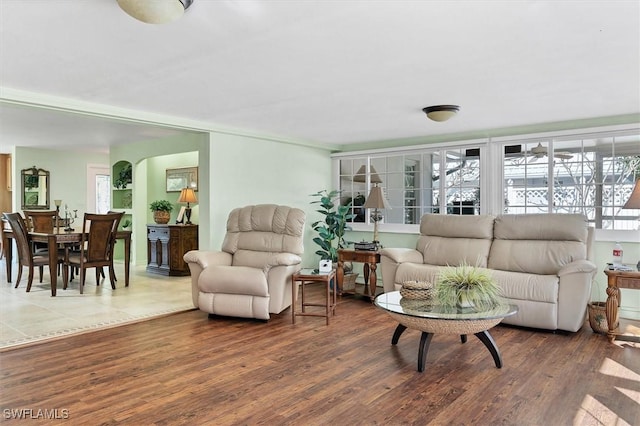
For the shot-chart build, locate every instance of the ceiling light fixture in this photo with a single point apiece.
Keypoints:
(441, 112)
(155, 11)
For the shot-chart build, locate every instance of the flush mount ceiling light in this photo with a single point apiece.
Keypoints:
(155, 11)
(441, 112)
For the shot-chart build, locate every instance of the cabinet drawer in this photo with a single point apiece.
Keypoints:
(155, 233)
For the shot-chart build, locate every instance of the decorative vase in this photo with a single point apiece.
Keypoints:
(464, 301)
(161, 217)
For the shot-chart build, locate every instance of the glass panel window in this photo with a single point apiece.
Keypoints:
(592, 176)
(353, 185)
(103, 193)
(462, 181)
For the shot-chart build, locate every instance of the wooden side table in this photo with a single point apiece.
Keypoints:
(370, 260)
(615, 281)
(307, 276)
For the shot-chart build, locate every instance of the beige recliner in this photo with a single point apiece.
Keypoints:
(251, 276)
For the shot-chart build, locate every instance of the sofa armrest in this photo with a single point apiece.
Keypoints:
(402, 255)
(199, 260)
(206, 258)
(283, 259)
(574, 292)
(390, 258)
(579, 266)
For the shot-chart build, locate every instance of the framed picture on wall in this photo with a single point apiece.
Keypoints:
(183, 177)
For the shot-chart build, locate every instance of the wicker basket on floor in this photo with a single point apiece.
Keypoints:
(349, 281)
(598, 317)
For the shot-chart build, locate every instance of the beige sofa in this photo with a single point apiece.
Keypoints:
(542, 262)
(251, 276)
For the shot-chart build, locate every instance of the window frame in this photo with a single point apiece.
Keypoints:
(491, 170)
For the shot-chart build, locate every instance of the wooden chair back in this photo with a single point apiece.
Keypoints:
(21, 237)
(99, 234)
(41, 221)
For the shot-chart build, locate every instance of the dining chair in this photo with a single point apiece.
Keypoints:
(97, 246)
(26, 256)
(42, 221)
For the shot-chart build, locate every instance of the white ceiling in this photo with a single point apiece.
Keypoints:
(328, 72)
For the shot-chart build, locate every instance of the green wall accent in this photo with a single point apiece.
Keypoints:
(247, 171)
(68, 175)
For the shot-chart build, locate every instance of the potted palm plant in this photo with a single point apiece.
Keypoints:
(161, 211)
(467, 286)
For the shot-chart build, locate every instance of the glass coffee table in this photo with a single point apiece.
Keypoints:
(434, 319)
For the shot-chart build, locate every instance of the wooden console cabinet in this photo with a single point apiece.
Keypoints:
(166, 244)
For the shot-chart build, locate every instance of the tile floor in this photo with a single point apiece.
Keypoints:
(29, 317)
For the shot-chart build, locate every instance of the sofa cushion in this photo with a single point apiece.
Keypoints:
(538, 243)
(453, 240)
(523, 286)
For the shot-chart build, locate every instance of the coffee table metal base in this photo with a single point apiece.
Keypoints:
(425, 341)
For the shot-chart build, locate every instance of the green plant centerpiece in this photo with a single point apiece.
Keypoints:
(332, 227)
(467, 286)
(161, 211)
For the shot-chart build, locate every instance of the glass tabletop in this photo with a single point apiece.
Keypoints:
(313, 272)
(393, 302)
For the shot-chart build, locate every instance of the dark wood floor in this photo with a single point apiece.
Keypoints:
(189, 369)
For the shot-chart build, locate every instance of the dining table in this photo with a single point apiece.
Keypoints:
(62, 237)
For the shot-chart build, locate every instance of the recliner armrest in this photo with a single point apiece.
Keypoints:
(402, 255)
(283, 259)
(579, 266)
(206, 258)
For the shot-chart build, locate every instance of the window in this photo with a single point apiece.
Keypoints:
(593, 176)
(570, 173)
(103, 193)
(414, 183)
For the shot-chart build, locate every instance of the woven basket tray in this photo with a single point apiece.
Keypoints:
(417, 290)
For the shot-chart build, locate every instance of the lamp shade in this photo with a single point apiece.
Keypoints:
(155, 11)
(634, 200)
(187, 195)
(376, 199)
(361, 175)
(441, 112)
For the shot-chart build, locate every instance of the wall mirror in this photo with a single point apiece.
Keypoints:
(35, 189)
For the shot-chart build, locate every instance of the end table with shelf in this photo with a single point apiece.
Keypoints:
(309, 276)
(370, 258)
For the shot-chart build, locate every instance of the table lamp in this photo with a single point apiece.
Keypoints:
(376, 201)
(634, 203)
(187, 195)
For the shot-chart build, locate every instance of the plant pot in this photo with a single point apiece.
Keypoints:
(598, 317)
(161, 217)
